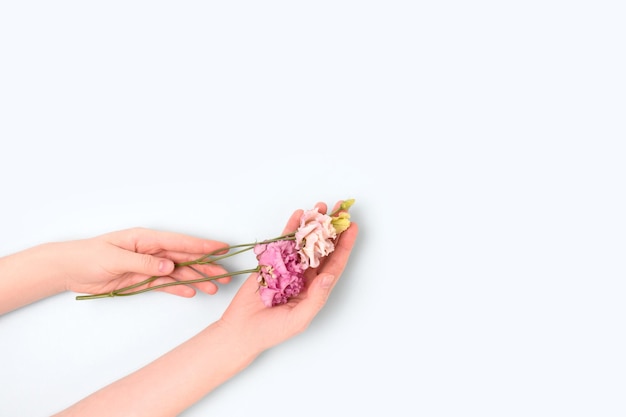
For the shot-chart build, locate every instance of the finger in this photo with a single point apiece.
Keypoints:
(320, 288)
(194, 273)
(180, 257)
(143, 264)
(183, 243)
(317, 295)
(335, 263)
(199, 271)
(207, 287)
(224, 280)
(293, 222)
(321, 207)
(149, 241)
(180, 290)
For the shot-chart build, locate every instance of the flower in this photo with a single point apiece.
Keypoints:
(281, 261)
(281, 274)
(315, 237)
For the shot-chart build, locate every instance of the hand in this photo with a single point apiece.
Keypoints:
(264, 326)
(119, 259)
(170, 384)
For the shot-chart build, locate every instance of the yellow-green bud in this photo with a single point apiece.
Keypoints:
(341, 221)
(346, 204)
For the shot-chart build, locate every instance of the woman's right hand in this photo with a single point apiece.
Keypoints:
(263, 327)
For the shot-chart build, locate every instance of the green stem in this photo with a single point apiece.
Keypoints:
(122, 291)
(191, 281)
(94, 296)
(203, 260)
(138, 284)
(248, 246)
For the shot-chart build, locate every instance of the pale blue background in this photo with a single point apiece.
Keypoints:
(483, 143)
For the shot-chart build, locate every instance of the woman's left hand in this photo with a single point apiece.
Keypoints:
(119, 259)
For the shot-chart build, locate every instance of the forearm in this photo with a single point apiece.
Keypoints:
(173, 382)
(30, 275)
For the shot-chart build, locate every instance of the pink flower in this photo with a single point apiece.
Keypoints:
(315, 237)
(282, 274)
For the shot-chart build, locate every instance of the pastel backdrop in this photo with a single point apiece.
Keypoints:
(483, 144)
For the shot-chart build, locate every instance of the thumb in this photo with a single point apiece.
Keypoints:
(318, 293)
(145, 264)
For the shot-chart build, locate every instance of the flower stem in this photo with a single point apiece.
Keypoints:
(202, 260)
(207, 259)
(191, 281)
(123, 291)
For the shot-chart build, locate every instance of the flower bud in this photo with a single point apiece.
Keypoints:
(341, 221)
(346, 204)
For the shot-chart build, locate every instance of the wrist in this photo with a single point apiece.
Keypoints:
(239, 341)
(30, 275)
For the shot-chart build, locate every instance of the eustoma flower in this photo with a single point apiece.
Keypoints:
(281, 274)
(282, 261)
(315, 237)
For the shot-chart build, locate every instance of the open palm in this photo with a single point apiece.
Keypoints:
(268, 326)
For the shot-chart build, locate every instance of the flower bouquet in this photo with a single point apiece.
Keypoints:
(281, 260)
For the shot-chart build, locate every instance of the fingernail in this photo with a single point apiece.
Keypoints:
(164, 266)
(327, 281)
